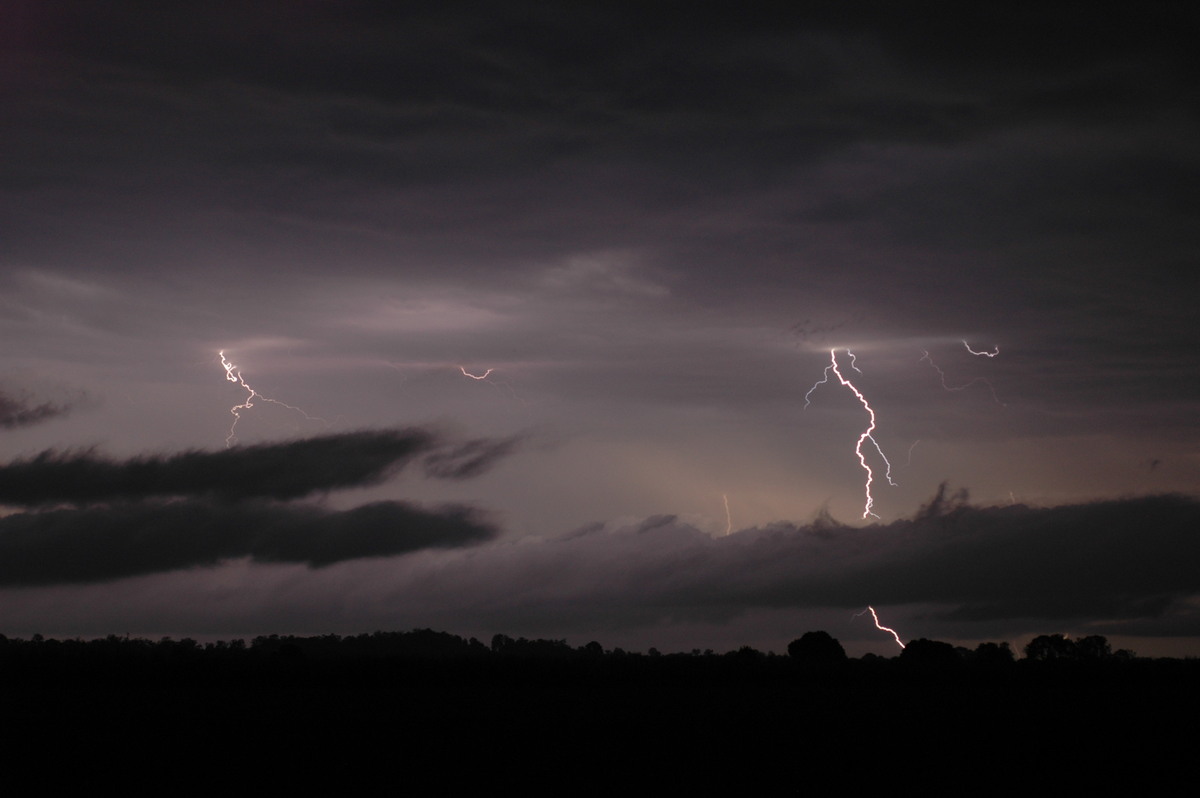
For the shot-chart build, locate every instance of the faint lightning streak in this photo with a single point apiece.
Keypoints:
(233, 374)
(995, 351)
(728, 517)
(485, 377)
(880, 626)
(865, 436)
(853, 363)
(910, 450)
(821, 381)
(925, 358)
(887, 474)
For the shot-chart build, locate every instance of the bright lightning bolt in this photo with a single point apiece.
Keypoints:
(995, 351)
(482, 376)
(234, 374)
(866, 435)
(880, 626)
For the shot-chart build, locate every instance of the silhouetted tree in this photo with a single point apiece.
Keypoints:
(1050, 648)
(993, 654)
(1093, 648)
(816, 648)
(592, 649)
(746, 654)
(930, 653)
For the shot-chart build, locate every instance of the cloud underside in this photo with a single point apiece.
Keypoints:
(278, 471)
(1123, 566)
(1116, 561)
(101, 544)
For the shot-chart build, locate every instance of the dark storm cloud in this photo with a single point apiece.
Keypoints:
(1127, 559)
(1014, 159)
(1122, 558)
(427, 97)
(101, 544)
(468, 459)
(270, 470)
(20, 412)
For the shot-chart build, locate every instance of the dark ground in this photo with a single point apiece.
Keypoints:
(288, 713)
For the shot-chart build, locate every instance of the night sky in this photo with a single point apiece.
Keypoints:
(652, 225)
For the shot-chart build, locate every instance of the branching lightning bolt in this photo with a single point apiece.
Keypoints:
(234, 374)
(822, 381)
(995, 351)
(880, 626)
(867, 433)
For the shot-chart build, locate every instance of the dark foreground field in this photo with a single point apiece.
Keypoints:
(425, 713)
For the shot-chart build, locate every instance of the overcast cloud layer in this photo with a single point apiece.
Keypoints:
(626, 238)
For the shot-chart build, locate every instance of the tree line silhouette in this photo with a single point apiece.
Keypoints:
(814, 648)
(462, 712)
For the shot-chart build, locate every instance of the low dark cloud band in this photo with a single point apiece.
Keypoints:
(278, 471)
(101, 544)
(1127, 562)
(20, 412)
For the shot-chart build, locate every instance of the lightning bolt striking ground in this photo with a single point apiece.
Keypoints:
(867, 433)
(880, 626)
(234, 374)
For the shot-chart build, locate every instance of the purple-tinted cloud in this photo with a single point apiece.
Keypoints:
(106, 543)
(281, 471)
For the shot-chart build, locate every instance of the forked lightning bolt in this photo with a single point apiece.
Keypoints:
(867, 433)
(880, 626)
(234, 374)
